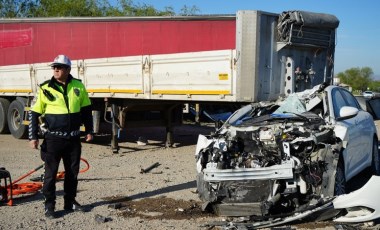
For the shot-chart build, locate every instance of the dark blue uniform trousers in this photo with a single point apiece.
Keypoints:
(52, 150)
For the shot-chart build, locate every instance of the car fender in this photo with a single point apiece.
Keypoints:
(340, 131)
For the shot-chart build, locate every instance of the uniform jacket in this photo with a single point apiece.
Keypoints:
(65, 108)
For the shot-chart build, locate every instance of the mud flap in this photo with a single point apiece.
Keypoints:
(361, 205)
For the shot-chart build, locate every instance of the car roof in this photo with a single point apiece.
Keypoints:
(330, 87)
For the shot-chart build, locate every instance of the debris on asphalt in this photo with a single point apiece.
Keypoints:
(115, 206)
(101, 219)
(142, 141)
(146, 170)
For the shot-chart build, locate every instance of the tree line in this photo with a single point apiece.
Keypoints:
(84, 8)
(360, 79)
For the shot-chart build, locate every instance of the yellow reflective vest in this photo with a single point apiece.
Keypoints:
(65, 108)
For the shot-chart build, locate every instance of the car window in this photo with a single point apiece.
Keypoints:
(340, 98)
(338, 101)
(350, 99)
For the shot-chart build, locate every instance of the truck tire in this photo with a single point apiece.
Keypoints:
(4, 105)
(15, 118)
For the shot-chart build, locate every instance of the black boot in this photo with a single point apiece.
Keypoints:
(73, 206)
(49, 212)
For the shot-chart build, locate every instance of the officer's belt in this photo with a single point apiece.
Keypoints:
(65, 134)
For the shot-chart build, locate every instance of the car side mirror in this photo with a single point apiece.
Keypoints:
(373, 107)
(347, 112)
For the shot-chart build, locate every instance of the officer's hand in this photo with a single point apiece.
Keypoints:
(34, 144)
(89, 137)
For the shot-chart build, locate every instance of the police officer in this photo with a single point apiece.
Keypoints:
(65, 105)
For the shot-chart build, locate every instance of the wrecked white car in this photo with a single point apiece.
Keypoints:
(279, 158)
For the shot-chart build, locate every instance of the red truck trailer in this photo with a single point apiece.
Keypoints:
(27, 41)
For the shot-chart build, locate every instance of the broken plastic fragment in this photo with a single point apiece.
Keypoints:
(362, 205)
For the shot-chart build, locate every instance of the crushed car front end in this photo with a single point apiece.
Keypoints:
(266, 162)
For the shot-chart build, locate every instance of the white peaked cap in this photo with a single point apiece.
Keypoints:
(61, 60)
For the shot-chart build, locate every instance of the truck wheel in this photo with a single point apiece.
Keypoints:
(15, 117)
(4, 105)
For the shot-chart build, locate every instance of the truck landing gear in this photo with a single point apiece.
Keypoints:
(114, 141)
(169, 137)
(135, 115)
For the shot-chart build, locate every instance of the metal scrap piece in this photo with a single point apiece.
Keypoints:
(101, 219)
(155, 165)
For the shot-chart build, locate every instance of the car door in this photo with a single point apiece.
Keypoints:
(359, 145)
(366, 127)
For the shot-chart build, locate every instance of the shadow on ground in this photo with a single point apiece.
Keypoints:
(184, 135)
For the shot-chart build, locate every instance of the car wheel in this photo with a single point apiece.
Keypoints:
(340, 179)
(375, 158)
(4, 105)
(15, 119)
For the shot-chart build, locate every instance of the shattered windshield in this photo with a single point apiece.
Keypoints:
(292, 107)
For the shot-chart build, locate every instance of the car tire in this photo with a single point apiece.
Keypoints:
(15, 119)
(375, 166)
(340, 179)
(4, 106)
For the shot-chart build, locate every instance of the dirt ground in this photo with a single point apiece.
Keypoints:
(115, 192)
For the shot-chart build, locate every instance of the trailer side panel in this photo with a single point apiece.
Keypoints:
(36, 42)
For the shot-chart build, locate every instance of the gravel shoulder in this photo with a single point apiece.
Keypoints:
(163, 198)
(111, 178)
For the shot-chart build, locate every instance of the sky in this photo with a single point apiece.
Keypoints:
(358, 34)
